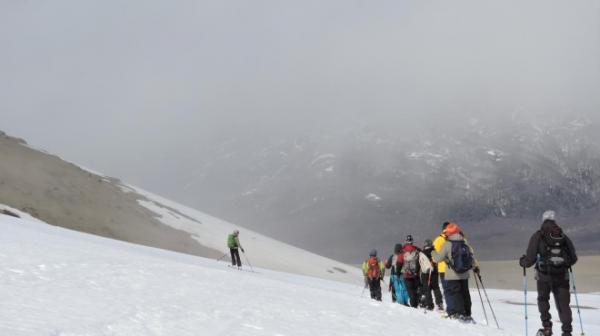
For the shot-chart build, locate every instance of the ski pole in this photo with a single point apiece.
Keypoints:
(482, 305)
(488, 300)
(576, 300)
(525, 291)
(248, 261)
(221, 257)
(429, 280)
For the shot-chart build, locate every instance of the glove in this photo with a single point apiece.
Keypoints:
(476, 270)
(522, 261)
(243, 251)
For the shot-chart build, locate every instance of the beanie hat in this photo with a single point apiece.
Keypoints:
(428, 243)
(409, 239)
(445, 225)
(452, 229)
(549, 215)
(373, 253)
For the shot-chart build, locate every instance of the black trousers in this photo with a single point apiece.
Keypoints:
(412, 287)
(458, 291)
(430, 283)
(235, 257)
(375, 288)
(559, 287)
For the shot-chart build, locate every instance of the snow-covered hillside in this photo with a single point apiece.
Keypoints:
(261, 251)
(59, 282)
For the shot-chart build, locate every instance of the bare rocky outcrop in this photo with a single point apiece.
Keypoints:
(63, 194)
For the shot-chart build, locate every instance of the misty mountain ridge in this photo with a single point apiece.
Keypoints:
(341, 192)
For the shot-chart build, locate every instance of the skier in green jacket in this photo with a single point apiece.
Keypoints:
(233, 242)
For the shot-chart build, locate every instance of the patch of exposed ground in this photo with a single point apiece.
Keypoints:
(60, 193)
(508, 275)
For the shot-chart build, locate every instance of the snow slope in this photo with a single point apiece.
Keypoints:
(59, 282)
(261, 251)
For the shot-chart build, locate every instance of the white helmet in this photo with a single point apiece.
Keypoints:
(549, 215)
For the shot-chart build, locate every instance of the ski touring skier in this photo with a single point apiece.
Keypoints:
(389, 264)
(553, 254)
(373, 271)
(397, 285)
(409, 264)
(430, 280)
(459, 257)
(233, 242)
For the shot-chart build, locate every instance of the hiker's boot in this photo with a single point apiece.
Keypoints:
(544, 332)
(454, 316)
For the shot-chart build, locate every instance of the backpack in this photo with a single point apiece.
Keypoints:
(394, 263)
(373, 270)
(554, 256)
(231, 241)
(410, 266)
(462, 258)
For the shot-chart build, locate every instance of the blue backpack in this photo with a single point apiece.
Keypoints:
(462, 258)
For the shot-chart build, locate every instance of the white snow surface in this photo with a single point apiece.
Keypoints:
(260, 250)
(56, 282)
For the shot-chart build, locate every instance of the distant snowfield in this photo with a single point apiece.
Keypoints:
(56, 282)
(261, 250)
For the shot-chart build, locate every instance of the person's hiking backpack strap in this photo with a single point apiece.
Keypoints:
(462, 258)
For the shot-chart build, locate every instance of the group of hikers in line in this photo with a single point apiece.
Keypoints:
(414, 273)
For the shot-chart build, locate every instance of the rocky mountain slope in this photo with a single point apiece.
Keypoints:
(342, 192)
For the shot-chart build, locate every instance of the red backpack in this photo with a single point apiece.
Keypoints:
(374, 272)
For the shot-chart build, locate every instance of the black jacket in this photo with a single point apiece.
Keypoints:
(537, 247)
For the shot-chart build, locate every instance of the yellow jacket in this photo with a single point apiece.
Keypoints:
(438, 243)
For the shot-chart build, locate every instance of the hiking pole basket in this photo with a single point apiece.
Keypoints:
(576, 300)
(488, 299)
(525, 297)
(482, 304)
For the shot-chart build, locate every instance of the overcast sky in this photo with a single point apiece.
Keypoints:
(129, 87)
